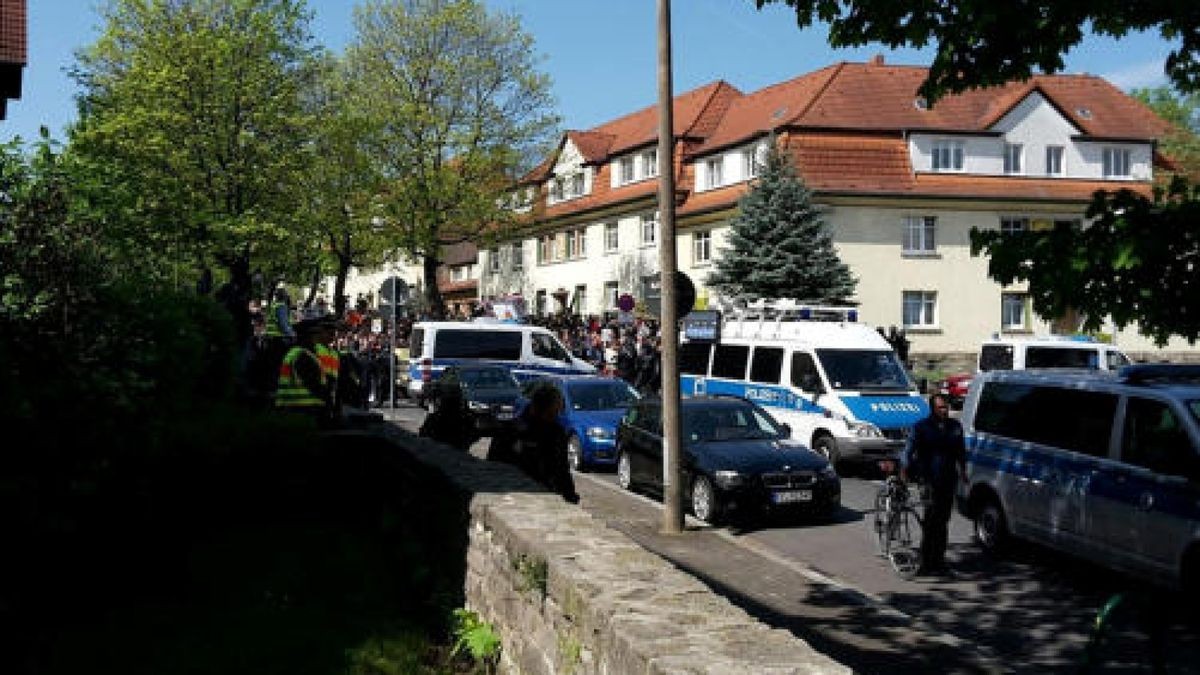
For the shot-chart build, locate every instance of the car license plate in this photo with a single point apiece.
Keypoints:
(503, 416)
(792, 496)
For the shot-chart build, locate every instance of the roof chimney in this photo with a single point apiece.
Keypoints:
(877, 60)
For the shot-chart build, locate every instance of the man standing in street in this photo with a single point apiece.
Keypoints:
(936, 457)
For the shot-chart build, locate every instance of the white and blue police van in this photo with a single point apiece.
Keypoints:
(837, 383)
(527, 351)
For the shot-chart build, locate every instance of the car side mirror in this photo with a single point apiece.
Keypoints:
(787, 430)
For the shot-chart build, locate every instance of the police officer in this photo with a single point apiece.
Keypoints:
(302, 385)
(936, 457)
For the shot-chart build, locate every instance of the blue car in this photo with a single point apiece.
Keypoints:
(593, 409)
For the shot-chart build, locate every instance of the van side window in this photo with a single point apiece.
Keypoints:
(1116, 360)
(804, 372)
(996, 357)
(693, 358)
(730, 361)
(453, 343)
(547, 347)
(1061, 357)
(416, 342)
(1154, 438)
(1071, 419)
(766, 365)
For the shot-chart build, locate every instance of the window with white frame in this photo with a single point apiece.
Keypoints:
(556, 189)
(1011, 225)
(560, 246)
(543, 250)
(494, 260)
(611, 294)
(572, 243)
(581, 300)
(568, 186)
(1012, 157)
(612, 239)
(751, 162)
(580, 242)
(920, 235)
(650, 163)
(1013, 311)
(458, 273)
(712, 172)
(948, 155)
(1054, 160)
(649, 228)
(625, 170)
(920, 309)
(701, 247)
(518, 256)
(1116, 163)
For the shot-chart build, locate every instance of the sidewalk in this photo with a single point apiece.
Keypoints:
(841, 622)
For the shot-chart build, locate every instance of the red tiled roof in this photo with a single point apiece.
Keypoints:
(460, 254)
(592, 145)
(12, 32)
(471, 285)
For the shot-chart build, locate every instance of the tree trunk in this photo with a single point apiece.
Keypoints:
(433, 296)
(312, 287)
(339, 286)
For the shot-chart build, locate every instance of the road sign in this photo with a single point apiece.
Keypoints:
(626, 303)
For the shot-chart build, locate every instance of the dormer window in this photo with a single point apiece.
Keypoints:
(625, 169)
(636, 167)
(754, 159)
(948, 155)
(1116, 163)
(713, 172)
(1012, 157)
(566, 187)
(650, 163)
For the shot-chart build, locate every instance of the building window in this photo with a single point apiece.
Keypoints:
(1054, 160)
(650, 228)
(611, 237)
(611, 294)
(625, 168)
(712, 171)
(1013, 311)
(1116, 163)
(494, 260)
(572, 244)
(948, 156)
(650, 163)
(539, 305)
(518, 256)
(753, 160)
(920, 235)
(701, 247)
(581, 300)
(1012, 157)
(1014, 225)
(581, 242)
(920, 309)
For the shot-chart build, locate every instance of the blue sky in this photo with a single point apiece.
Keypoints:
(599, 53)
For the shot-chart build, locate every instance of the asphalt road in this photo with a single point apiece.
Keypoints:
(1030, 610)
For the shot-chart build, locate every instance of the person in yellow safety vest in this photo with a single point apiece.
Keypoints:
(330, 362)
(302, 382)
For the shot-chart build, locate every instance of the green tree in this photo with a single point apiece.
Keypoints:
(779, 248)
(458, 109)
(1183, 111)
(1114, 267)
(194, 111)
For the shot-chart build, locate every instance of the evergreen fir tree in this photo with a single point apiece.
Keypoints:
(779, 247)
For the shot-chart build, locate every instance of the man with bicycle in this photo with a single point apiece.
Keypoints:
(936, 456)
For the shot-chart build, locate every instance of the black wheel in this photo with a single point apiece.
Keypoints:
(879, 523)
(825, 446)
(903, 551)
(624, 472)
(706, 504)
(991, 528)
(575, 454)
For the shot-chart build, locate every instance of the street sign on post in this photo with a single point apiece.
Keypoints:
(395, 290)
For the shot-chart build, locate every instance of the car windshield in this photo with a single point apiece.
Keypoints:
(864, 369)
(705, 424)
(600, 395)
(488, 379)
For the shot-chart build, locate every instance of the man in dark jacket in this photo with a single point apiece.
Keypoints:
(936, 456)
(649, 369)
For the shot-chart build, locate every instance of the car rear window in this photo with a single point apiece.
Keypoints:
(1071, 419)
(477, 344)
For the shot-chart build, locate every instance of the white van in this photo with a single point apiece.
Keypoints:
(528, 351)
(837, 383)
(1049, 352)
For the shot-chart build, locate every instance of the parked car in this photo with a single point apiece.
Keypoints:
(1101, 465)
(490, 393)
(736, 458)
(593, 408)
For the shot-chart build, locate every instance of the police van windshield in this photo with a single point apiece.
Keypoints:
(864, 369)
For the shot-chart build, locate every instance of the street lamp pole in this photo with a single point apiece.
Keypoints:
(672, 494)
(392, 350)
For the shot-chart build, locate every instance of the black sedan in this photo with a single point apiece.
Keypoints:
(736, 458)
(489, 393)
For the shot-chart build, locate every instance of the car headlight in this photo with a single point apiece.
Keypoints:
(476, 406)
(728, 479)
(864, 429)
(600, 433)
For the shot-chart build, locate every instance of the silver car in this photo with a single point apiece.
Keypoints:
(1103, 465)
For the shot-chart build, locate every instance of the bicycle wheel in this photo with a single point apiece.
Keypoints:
(879, 523)
(904, 553)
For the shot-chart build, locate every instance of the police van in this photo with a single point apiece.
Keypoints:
(1073, 351)
(1098, 464)
(528, 351)
(837, 383)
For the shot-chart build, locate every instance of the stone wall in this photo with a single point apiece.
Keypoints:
(569, 595)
